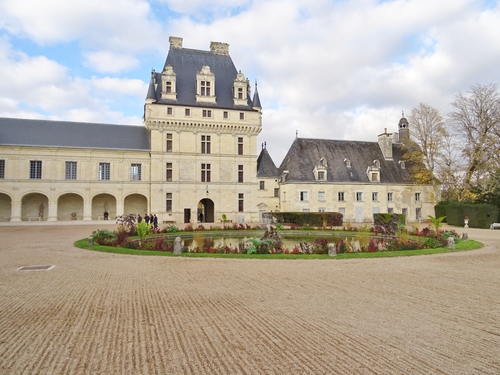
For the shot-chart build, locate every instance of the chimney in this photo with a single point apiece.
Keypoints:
(385, 144)
(219, 48)
(175, 42)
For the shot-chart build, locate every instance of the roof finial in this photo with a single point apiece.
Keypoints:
(265, 144)
(296, 134)
(403, 113)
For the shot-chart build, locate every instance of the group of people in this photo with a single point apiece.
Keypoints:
(151, 220)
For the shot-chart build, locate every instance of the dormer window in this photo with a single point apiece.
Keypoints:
(168, 79)
(205, 85)
(241, 86)
(373, 172)
(347, 163)
(402, 164)
(320, 170)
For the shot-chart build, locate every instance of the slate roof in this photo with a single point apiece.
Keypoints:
(266, 166)
(23, 132)
(304, 155)
(186, 64)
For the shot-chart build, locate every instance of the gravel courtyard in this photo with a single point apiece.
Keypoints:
(97, 313)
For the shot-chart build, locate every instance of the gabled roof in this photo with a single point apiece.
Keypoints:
(266, 166)
(186, 64)
(304, 156)
(23, 132)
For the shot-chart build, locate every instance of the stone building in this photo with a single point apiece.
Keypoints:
(195, 159)
(354, 178)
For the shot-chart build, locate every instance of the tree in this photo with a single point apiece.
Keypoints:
(476, 120)
(428, 131)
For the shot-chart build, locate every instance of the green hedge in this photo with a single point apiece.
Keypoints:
(314, 219)
(481, 215)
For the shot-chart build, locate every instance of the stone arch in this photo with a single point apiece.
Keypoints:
(34, 205)
(70, 207)
(206, 207)
(135, 204)
(5, 207)
(102, 203)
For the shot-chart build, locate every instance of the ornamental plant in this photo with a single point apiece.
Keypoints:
(142, 232)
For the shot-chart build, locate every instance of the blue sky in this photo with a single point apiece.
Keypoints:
(337, 69)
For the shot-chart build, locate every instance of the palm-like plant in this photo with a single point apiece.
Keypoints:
(436, 222)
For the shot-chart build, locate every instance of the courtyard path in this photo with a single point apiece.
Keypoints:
(97, 313)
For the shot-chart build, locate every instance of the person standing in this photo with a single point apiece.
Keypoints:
(155, 221)
(139, 218)
(146, 218)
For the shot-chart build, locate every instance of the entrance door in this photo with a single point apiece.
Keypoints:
(187, 215)
(359, 214)
(207, 209)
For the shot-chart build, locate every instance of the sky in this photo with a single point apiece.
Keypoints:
(331, 69)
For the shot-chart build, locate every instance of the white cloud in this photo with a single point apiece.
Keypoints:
(106, 62)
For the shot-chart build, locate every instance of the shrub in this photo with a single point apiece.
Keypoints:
(121, 235)
(170, 229)
(142, 232)
(432, 243)
(388, 224)
(104, 237)
(128, 222)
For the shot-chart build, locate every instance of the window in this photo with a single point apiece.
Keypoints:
(168, 87)
(240, 202)
(321, 196)
(341, 196)
(205, 144)
(36, 169)
(187, 112)
(375, 196)
(304, 197)
(104, 169)
(225, 114)
(242, 115)
(262, 185)
(240, 93)
(389, 197)
(168, 203)
(374, 176)
(207, 113)
(359, 196)
(321, 175)
(169, 172)
(205, 88)
(404, 211)
(71, 170)
(169, 142)
(390, 210)
(135, 172)
(276, 192)
(169, 111)
(321, 209)
(417, 197)
(240, 173)
(418, 213)
(2, 168)
(205, 173)
(240, 145)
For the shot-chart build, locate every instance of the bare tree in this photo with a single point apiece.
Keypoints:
(428, 131)
(476, 120)
(449, 169)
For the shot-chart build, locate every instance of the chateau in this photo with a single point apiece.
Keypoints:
(196, 158)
